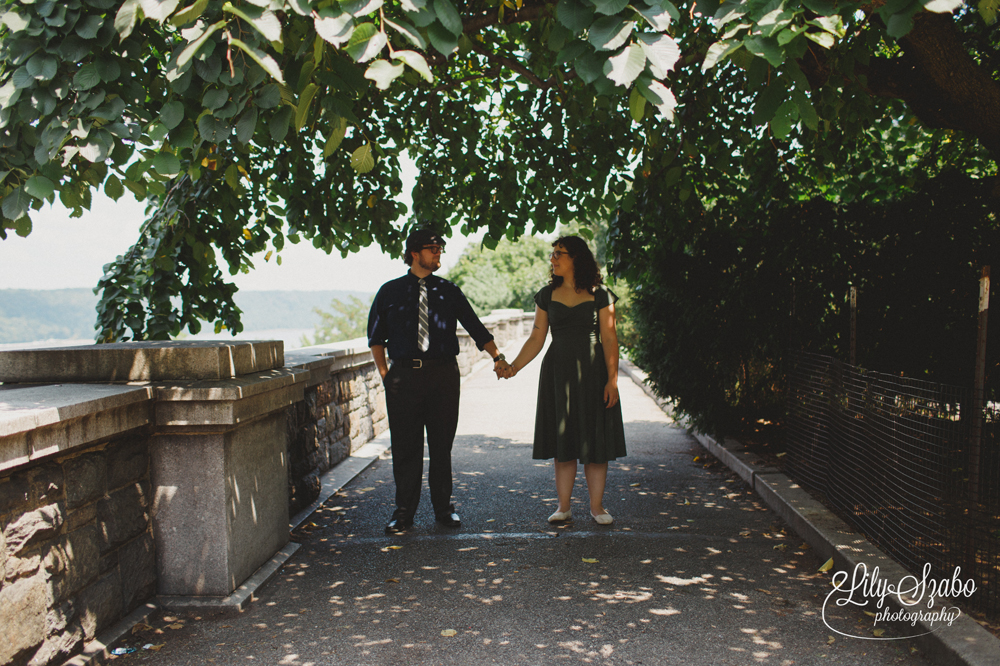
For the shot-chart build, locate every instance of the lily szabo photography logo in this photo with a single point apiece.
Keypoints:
(915, 597)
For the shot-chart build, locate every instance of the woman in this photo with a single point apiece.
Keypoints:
(578, 416)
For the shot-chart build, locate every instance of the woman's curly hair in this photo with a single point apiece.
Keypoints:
(586, 274)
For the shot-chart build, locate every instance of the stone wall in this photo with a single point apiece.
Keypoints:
(118, 484)
(76, 548)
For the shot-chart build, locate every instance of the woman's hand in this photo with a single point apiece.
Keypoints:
(610, 394)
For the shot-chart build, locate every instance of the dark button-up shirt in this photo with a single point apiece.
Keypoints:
(392, 321)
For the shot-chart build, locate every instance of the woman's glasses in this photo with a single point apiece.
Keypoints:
(557, 253)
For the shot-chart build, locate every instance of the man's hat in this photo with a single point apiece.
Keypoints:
(421, 237)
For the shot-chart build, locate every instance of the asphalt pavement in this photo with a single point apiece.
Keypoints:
(694, 570)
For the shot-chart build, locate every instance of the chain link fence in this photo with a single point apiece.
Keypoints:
(893, 457)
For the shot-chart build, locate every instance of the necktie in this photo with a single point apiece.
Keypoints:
(423, 337)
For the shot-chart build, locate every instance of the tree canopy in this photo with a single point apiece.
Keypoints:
(248, 124)
(505, 277)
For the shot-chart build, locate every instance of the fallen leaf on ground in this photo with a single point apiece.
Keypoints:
(589, 560)
(781, 546)
(393, 547)
(830, 640)
(448, 632)
(634, 485)
(175, 626)
(827, 566)
(365, 490)
(392, 580)
(878, 632)
(142, 626)
(155, 648)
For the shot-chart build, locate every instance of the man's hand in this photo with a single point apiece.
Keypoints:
(502, 369)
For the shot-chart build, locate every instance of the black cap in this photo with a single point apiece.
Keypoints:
(421, 237)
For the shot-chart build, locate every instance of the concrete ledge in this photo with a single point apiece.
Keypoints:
(141, 361)
(964, 643)
(38, 421)
(241, 596)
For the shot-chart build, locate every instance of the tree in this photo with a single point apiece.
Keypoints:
(345, 321)
(507, 276)
(231, 117)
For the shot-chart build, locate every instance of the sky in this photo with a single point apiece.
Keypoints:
(63, 253)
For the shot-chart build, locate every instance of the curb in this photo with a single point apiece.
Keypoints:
(962, 643)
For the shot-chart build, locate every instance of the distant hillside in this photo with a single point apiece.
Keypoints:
(27, 315)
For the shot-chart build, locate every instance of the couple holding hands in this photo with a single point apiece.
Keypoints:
(578, 417)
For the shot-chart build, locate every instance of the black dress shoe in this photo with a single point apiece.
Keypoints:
(448, 519)
(397, 525)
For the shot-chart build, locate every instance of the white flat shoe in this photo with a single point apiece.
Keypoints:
(603, 519)
(560, 516)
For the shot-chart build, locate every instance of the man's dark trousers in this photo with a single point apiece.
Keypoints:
(418, 399)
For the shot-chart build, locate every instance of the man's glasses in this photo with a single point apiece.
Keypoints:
(434, 249)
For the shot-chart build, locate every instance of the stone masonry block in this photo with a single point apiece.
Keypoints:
(23, 611)
(77, 518)
(46, 484)
(128, 462)
(14, 493)
(72, 562)
(3, 558)
(310, 403)
(123, 515)
(64, 637)
(137, 565)
(86, 478)
(324, 393)
(334, 416)
(100, 604)
(34, 526)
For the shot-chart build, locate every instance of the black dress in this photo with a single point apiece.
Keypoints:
(571, 421)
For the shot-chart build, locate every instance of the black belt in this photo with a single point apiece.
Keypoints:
(418, 363)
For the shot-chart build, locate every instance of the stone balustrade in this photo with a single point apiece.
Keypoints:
(166, 472)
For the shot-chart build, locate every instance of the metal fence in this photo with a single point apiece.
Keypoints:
(892, 456)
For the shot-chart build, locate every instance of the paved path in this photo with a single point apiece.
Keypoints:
(695, 569)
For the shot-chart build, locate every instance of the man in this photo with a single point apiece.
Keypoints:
(414, 318)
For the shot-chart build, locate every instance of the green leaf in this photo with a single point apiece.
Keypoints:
(409, 32)
(158, 10)
(784, 119)
(269, 96)
(267, 63)
(97, 147)
(40, 187)
(383, 73)
(826, 40)
(280, 122)
(768, 102)
(610, 7)
(302, 110)
(590, 67)
(215, 98)
(125, 18)
(336, 136)
(172, 114)
(189, 14)
(365, 43)
(361, 7)
(42, 67)
(807, 112)
(988, 10)
(108, 69)
(448, 16)
(626, 66)
(16, 204)
(821, 7)
(167, 164)
(718, 52)
(417, 62)
(942, 6)
(660, 96)
(267, 23)
(14, 21)
(657, 17)
(730, 10)
(212, 129)
(334, 26)
(88, 26)
(442, 39)
(113, 188)
(362, 159)
(191, 49)
(610, 32)
(765, 47)
(661, 51)
(575, 15)
(86, 77)
(247, 125)
(636, 104)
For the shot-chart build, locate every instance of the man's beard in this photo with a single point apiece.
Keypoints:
(431, 266)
